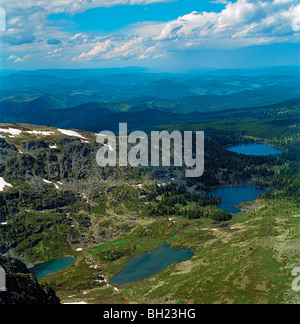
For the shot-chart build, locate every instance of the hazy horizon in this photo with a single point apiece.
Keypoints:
(144, 69)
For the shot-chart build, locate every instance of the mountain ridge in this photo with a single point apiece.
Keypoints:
(99, 116)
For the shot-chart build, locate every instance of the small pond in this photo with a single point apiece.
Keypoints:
(42, 270)
(258, 149)
(149, 264)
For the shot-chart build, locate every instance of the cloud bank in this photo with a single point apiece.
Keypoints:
(241, 24)
(244, 23)
(74, 6)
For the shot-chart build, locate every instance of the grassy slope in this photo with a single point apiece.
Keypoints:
(248, 262)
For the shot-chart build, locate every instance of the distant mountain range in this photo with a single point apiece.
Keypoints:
(96, 117)
(97, 99)
(114, 85)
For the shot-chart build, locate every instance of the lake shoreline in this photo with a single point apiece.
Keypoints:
(40, 271)
(249, 143)
(254, 149)
(133, 265)
(233, 196)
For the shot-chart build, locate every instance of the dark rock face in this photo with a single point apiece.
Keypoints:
(48, 215)
(6, 149)
(3, 209)
(34, 145)
(22, 286)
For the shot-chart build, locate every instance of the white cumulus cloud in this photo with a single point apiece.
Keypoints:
(17, 59)
(296, 18)
(243, 23)
(99, 48)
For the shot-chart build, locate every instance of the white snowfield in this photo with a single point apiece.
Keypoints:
(11, 131)
(53, 146)
(4, 184)
(40, 133)
(70, 133)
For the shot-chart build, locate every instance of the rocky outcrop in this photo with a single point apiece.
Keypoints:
(6, 150)
(33, 146)
(22, 286)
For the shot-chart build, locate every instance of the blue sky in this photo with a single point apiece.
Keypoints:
(160, 34)
(114, 18)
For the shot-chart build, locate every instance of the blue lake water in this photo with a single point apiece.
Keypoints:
(42, 270)
(149, 264)
(255, 149)
(233, 196)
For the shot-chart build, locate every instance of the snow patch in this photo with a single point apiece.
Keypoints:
(70, 133)
(94, 267)
(4, 184)
(47, 181)
(52, 183)
(103, 135)
(11, 131)
(35, 132)
(78, 303)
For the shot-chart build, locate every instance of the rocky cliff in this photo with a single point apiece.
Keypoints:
(22, 287)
